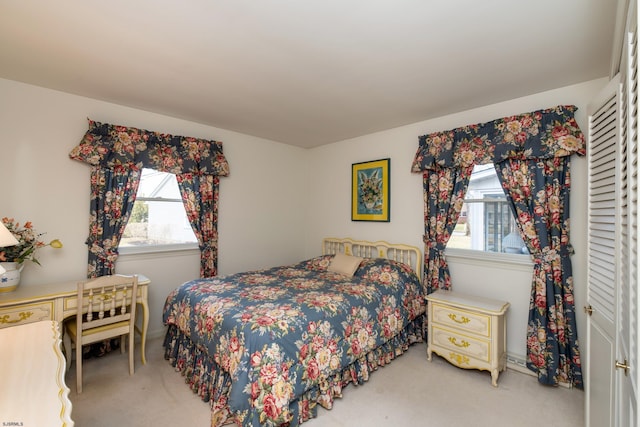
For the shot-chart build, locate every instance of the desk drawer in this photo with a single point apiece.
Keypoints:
(70, 303)
(26, 313)
(468, 321)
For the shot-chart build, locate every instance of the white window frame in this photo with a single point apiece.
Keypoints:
(520, 262)
(160, 248)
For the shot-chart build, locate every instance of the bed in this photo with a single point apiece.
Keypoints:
(267, 347)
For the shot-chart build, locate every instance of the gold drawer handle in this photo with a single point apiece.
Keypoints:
(464, 320)
(464, 343)
(22, 317)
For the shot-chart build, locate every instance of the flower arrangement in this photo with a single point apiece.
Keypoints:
(370, 189)
(28, 243)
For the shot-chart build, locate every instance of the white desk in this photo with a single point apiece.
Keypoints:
(29, 304)
(32, 370)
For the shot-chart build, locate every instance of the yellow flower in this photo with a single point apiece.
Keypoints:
(282, 391)
(569, 143)
(363, 337)
(323, 357)
(55, 243)
(514, 126)
(334, 363)
(28, 242)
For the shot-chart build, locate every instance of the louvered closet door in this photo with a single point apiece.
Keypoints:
(603, 158)
(627, 351)
(612, 376)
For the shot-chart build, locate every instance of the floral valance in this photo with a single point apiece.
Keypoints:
(111, 145)
(552, 132)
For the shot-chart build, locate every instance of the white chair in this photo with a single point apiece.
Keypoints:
(106, 309)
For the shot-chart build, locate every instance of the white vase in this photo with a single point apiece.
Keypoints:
(10, 279)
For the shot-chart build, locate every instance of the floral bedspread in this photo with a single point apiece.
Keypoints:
(283, 336)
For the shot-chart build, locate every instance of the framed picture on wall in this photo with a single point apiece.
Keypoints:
(370, 191)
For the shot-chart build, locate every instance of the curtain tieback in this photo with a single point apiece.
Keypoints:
(109, 255)
(549, 255)
(430, 244)
(206, 246)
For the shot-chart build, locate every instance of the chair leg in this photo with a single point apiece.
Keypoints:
(78, 368)
(131, 352)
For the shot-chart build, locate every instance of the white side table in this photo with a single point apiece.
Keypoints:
(468, 331)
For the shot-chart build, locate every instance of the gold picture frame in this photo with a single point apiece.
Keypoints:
(371, 191)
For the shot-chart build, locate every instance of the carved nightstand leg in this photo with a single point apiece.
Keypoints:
(494, 377)
(428, 354)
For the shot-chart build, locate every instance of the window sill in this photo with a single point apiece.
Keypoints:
(159, 251)
(490, 259)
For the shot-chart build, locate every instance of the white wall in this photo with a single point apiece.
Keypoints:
(275, 207)
(329, 208)
(261, 205)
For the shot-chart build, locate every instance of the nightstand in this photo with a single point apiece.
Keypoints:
(468, 331)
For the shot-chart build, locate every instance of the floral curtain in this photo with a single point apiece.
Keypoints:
(200, 198)
(444, 190)
(113, 192)
(519, 142)
(552, 132)
(119, 153)
(538, 191)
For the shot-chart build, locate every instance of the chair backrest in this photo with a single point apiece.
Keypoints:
(106, 301)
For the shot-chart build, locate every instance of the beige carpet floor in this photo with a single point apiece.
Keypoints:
(411, 391)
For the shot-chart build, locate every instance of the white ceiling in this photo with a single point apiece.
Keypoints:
(305, 72)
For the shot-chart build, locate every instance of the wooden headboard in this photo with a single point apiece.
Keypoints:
(406, 254)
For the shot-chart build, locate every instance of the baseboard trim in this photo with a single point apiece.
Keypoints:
(518, 364)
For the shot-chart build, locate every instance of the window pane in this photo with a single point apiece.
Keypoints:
(158, 216)
(486, 223)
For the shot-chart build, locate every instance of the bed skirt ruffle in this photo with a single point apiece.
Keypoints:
(212, 384)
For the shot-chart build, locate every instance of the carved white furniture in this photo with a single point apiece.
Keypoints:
(406, 254)
(468, 331)
(109, 310)
(32, 370)
(31, 303)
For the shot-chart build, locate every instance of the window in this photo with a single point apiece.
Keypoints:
(158, 218)
(486, 222)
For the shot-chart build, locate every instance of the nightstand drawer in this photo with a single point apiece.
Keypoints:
(466, 345)
(476, 323)
(26, 313)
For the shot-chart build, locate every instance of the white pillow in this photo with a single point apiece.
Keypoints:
(345, 264)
